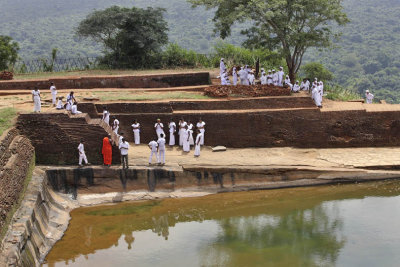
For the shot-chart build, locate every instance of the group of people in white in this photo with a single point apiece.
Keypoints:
(184, 129)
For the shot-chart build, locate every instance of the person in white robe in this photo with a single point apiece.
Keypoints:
(190, 128)
(307, 85)
(227, 81)
(321, 88)
(182, 124)
(106, 115)
(159, 127)
(172, 130)
(235, 76)
(53, 91)
(262, 71)
(201, 126)
(275, 78)
(369, 97)
(222, 67)
(223, 79)
(153, 145)
(243, 77)
(263, 79)
(161, 149)
(186, 136)
(136, 132)
(37, 105)
(316, 96)
(197, 144)
(280, 76)
(251, 78)
(82, 154)
(296, 87)
(74, 109)
(270, 79)
(70, 100)
(115, 125)
(288, 82)
(60, 104)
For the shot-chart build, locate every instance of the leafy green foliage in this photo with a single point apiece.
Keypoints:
(315, 69)
(8, 52)
(291, 26)
(132, 37)
(338, 93)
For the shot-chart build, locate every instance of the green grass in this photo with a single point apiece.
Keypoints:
(47, 75)
(7, 116)
(142, 97)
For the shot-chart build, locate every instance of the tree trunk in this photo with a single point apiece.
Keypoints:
(292, 75)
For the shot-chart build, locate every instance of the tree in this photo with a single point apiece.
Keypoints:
(317, 70)
(8, 52)
(291, 26)
(131, 36)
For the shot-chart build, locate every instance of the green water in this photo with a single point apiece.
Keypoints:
(345, 225)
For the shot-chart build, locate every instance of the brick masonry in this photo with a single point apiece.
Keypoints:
(144, 81)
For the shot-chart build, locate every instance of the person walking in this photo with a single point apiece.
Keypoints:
(124, 149)
(82, 154)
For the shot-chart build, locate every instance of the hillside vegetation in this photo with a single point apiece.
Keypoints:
(368, 56)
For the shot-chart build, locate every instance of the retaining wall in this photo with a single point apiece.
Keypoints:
(144, 81)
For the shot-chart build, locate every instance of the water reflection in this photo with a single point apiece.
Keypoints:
(299, 227)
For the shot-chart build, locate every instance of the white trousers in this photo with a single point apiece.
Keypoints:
(159, 132)
(136, 133)
(202, 138)
(151, 156)
(82, 157)
(161, 156)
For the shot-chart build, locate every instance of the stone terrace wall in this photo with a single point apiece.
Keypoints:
(56, 138)
(297, 128)
(145, 81)
(16, 156)
(169, 107)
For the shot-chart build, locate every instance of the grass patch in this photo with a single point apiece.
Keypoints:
(7, 116)
(16, 206)
(47, 75)
(339, 93)
(152, 96)
(124, 210)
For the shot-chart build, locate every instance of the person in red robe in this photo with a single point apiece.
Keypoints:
(107, 151)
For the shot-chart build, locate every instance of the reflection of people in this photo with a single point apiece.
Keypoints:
(161, 226)
(129, 239)
(107, 151)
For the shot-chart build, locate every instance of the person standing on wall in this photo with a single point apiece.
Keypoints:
(159, 127)
(198, 146)
(136, 131)
(369, 97)
(124, 149)
(53, 91)
(201, 126)
(106, 115)
(153, 149)
(107, 151)
(161, 149)
(82, 154)
(115, 125)
(172, 130)
(36, 100)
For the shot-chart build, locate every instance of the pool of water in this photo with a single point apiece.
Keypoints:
(342, 225)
